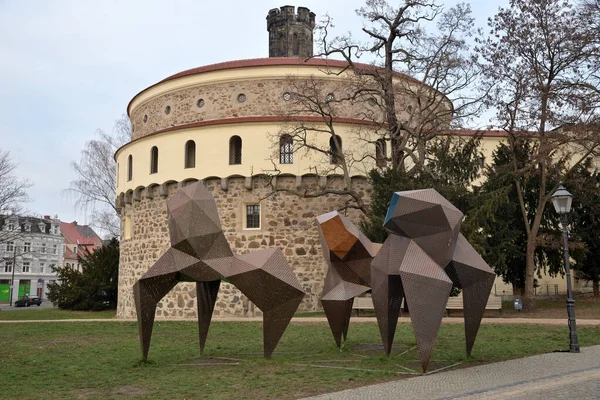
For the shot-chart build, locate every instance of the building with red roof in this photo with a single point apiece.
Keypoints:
(79, 240)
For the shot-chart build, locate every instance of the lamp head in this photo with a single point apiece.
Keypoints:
(562, 199)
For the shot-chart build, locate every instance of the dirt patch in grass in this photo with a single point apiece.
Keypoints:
(125, 391)
(215, 361)
(131, 391)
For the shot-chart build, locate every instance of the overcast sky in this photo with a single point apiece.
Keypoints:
(68, 68)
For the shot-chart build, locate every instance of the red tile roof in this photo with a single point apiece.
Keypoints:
(82, 235)
(266, 62)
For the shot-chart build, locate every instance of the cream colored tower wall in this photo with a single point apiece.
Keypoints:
(212, 154)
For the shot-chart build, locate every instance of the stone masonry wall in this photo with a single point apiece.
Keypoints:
(220, 101)
(287, 222)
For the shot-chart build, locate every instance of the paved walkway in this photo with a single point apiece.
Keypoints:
(354, 320)
(547, 376)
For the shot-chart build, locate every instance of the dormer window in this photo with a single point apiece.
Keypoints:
(27, 227)
(10, 226)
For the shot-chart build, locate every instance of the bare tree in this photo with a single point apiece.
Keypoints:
(417, 84)
(438, 87)
(95, 186)
(312, 112)
(13, 191)
(541, 64)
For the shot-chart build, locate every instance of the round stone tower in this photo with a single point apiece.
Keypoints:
(290, 33)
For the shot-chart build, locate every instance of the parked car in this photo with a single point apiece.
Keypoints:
(27, 301)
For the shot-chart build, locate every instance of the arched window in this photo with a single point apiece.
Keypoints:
(129, 167)
(381, 153)
(295, 47)
(281, 44)
(286, 150)
(154, 160)
(190, 154)
(235, 150)
(334, 151)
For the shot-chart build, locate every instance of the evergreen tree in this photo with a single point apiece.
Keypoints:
(502, 238)
(453, 164)
(95, 287)
(586, 225)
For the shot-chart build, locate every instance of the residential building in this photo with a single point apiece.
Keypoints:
(29, 248)
(79, 240)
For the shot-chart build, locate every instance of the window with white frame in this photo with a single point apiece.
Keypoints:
(11, 226)
(43, 248)
(26, 247)
(28, 227)
(252, 216)
(55, 249)
(10, 246)
(8, 266)
(42, 267)
(26, 266)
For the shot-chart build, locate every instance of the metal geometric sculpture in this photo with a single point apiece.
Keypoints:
(421, 259)
(348, 254)
(200, 253)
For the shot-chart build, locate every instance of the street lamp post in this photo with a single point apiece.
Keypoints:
(562, 200)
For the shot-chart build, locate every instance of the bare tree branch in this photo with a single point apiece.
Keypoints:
(13, 191)
(95, 186)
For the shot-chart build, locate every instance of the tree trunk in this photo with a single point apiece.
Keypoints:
(528, 294)
(596, 287)
(517, 290)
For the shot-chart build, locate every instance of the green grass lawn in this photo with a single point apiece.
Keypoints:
(53, 313)
(101, 360)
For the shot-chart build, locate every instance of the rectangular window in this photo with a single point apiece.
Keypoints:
(128, 227)
(252, 216)
(8, 266)
(26, 247)
(55, 249)
(26, 265)
(10, 246)
(11, 226)
(42, 266)
(28, 227)
(43, 250)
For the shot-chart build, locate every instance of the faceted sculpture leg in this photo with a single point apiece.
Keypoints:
(469, 272)
(338, 315)
(275, 321)
(387, 296)
(348, 312)
(147, 293)
(475, 298)
(206, 297)
(427, 298)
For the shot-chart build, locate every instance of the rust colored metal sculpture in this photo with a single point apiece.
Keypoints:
(421, 259)
(200, 253)
(348, 254)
